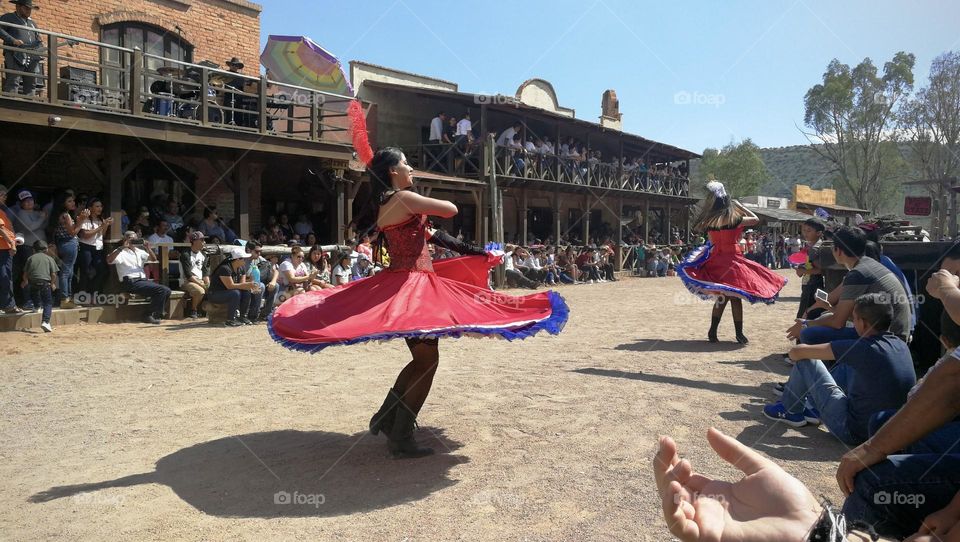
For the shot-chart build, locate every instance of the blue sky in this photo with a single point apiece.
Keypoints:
(692, 74)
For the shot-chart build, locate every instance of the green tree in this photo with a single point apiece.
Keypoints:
(930, 123)
(738, 165)
(851, 113)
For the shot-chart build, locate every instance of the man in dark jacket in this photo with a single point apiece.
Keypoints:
(25, 39)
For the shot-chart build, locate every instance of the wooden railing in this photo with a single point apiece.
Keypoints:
(130, 82)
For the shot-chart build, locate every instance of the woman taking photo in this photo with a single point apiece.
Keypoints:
(408, 300)
(718, 270)
(317, 260)
(91, 257)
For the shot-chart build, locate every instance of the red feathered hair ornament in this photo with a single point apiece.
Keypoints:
(358, 131)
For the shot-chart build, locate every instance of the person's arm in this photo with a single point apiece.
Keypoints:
(812, 351)
(112, 257)
(229, 283)
(750, 219)
(53, 281)
(945, 286)
(151, 255)
(936, 402)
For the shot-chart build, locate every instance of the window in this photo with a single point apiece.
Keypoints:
(152, 40)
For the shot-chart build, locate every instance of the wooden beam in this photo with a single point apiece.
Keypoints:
(241, 200)
(93, 167)
(619, 238)
(131, 165)
(116, 186)
(646, 220)
(523, 215)
(556, 216)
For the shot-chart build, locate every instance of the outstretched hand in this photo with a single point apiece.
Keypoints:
(766, 504)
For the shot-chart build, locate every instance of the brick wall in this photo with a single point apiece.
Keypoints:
(217, 29)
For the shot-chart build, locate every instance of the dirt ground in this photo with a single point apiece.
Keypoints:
(188, 432)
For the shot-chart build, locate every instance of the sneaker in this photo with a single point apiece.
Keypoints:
(13, 309)
(787, 360)
(31, 310)
(246, 321)
(68, 304)
(151, 319)
(233, 322)
(778, 412)
(46, 327)
(193, 315)
(778, 389)
(812, 416)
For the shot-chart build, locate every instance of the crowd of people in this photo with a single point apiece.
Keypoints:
(852, 372)
(454, 141)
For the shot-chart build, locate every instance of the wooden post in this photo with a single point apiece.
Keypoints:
(115, 175)
(478, 235)
(136, 83)
(669, 231)
(556, 152)
(523, 215)
(204, 104)
(620, 183)
(241, 199)
(585, 219)
(646, 221)
(314, 116)
(52, 73)
(496, 207)
(619, 239)
(589, 172)
(165, 264)
(262, 109)
(556, 216)
(341, 218)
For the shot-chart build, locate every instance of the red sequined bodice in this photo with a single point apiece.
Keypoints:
(407, 245)
(726, 240)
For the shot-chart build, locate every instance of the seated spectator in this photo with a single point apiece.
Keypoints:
(535, 270)
(229, 286)
(285, 226)
(362, 269)
(172, 215)
(510, 269)
(875, 369)
(194, 273)
(270, 280)
(604, 264)
(252, 273)
(129, 260)
(212, 226)
(341, 272)
(303, 227)
(295, 277)
(865, 276)
(317, 259)
(40, 275)
(160, 234)
(310, 240)
(588, 265)
(567, 265)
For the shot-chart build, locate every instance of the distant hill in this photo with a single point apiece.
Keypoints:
(788, 166)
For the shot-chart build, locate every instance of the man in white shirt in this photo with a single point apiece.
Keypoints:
(510, 269)
(436, 128)
(194, 274)
(160, 234)
(130, 259)
(464, 126)
(507, 135)
(532, 261)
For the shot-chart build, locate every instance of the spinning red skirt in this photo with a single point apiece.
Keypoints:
(719, 269)
(411, 299)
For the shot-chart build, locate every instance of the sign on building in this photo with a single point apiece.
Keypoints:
(917, 205)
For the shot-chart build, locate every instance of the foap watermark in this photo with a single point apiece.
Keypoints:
(915, 500)
(685, 97)
(300, 499)
(496, 298)
(97, 499)
(495, 99)
(719, 497)
(99, 298)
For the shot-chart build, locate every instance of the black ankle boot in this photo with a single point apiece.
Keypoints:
(712, 334)
(741, 338)
(383, 419)
(401, 442)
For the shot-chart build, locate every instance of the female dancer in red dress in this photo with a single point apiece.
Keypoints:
(719, 270)
(410, 300)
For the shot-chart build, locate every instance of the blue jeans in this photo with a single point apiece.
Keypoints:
(943, 440)
(824, 334)
(67, 251)
(41, 293)
(6, 279)
(897, 494)
(157, 293)
(810, 378)
(92, 269)
(238, 302)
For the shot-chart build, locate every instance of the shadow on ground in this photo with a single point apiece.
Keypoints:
(719, 387)
(291, 474)
(780, 441)
(660, 345)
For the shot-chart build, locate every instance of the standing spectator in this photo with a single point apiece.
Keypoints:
(65, 225)
(130, 259)
(506, 137)
(436, 128)
(341, 273)
(160, 234)
(25, 39)
(194, 273)
(40, 275)
(93, 266)
(229, 286)
(30, 223)
(8, 249)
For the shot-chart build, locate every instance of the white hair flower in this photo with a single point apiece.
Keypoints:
(717, 188)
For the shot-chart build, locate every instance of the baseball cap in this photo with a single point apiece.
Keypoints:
(196, 236)
(24, 194)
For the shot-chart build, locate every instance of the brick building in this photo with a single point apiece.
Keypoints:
(97, 122)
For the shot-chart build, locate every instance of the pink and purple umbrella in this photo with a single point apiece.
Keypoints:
(297, 60)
